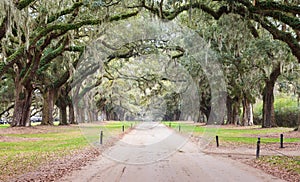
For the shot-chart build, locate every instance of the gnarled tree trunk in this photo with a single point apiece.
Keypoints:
(62, 105)
(268, 99)
(48, 107)
(22, 104)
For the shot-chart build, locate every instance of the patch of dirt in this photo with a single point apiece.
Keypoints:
(56, 169)
(290, 134)
(16, 139)
(275, 171)
(229, 126)
(32, 129)
(28, 130)
(246, 153)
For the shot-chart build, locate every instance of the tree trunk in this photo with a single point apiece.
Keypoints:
(79, 114)
(268, 106)
(22, 105)
(251, 122)
(229, 110)
(48, 107)
(247, 119)
(62, 105)
(236, 114)
(298, 129)
(268, 99)
(232, 106)
(72, 114)
(63, 115)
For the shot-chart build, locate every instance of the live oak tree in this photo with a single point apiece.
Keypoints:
(279, 18)
(253, 14)
(224, 37)
(34, 33)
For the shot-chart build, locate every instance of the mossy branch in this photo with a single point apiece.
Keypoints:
(173, 14)
(46, 59)
(75, 48)
(248, 11)
(62, 27)
(275, 6)
(62, 80)
(281, 35)
(11, 60)
(74, 26)
(293, 22)
(23, 3)
(65, 12)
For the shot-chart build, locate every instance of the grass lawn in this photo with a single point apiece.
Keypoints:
(111, 130)
(4, 126)
(236, 134)
(24, 149)
(289, 164)
(20, 153)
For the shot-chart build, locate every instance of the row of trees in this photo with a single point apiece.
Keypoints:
(42, 44)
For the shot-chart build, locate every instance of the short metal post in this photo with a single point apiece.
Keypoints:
(179, 128)
(217, 140)
(281, 140)
(258, 148)
(123, 128)
(101, 137)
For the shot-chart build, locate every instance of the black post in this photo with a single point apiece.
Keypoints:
(281, 140)
(217, 140)
(101, 137)
(258, 148)
(123, 128)
(179, 128)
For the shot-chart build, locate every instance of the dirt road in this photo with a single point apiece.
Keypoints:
(153, 152)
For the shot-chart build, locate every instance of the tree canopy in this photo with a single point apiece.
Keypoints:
(46, 52)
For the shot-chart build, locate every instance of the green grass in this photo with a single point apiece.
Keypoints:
(290, 164)
(240, 135)
(21, 153)
(24, 152)
(4, 126)
(110, 130)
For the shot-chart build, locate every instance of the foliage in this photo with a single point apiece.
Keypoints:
(18, 156)
(25, 152)
(41, 44)
(286, 110)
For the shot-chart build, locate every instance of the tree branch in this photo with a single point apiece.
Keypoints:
(271, 5)
(65, 12)
(21, 4)
(283, 36)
